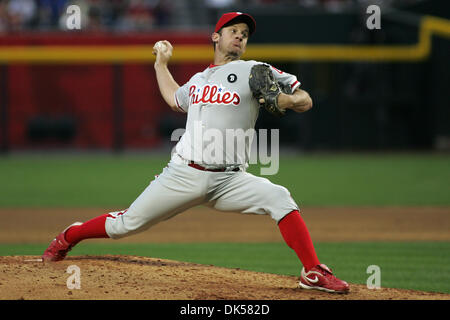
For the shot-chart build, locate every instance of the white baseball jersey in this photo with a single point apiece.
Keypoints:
(222, 113)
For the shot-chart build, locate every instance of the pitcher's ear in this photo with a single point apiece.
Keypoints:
(215, 37)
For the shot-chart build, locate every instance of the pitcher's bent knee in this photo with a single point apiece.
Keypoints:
(124, 223)
(279, 202)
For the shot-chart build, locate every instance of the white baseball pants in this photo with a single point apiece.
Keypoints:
(180, 187)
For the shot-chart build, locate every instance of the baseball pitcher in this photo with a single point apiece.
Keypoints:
(222, 104)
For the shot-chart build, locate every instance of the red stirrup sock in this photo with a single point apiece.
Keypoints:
(296, 236)
(94, 228)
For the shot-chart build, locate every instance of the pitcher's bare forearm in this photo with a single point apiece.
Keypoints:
(167, 85)
(299, 101)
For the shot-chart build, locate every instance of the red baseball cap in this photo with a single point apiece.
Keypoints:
(236, 17)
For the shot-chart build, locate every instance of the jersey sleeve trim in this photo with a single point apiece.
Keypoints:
(178, 104)
(295, 85)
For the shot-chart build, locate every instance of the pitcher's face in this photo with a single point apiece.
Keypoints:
(232, 40)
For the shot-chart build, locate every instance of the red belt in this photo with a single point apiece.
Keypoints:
(199, 167)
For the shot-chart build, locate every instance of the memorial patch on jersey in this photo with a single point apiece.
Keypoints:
(232, 78)
(213, 94)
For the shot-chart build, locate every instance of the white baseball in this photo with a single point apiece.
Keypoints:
(159, 46)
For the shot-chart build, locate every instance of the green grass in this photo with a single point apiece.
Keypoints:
(417, 265)
(368, 179)
(313, 180)
(75, 181)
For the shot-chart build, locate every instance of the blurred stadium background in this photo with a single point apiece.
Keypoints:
(95, 88)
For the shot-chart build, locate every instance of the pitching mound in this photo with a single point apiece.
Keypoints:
(139, 278)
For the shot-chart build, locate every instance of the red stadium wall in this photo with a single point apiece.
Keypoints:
(80, 106)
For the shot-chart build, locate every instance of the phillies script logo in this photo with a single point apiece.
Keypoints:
(213, 95)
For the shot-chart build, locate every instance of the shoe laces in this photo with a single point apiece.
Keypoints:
(325, 270)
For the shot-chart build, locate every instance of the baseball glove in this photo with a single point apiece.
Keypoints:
(264, 86)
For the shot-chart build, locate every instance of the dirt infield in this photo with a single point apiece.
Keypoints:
(136, 278)
(205, 225)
